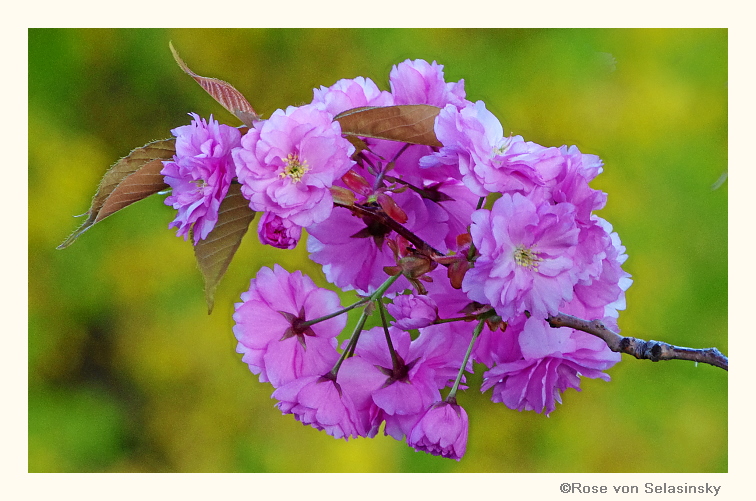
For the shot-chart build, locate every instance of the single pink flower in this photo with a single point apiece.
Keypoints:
(200, 174)
(420, 82)
(396, 394)
(287, 164)
(487, 162)
(347, 94)
(318, 401)
(269, 326)
(353, 250)
(553, 360)
(442, 431)
(412, 312)
(526, 257)
(278, 232)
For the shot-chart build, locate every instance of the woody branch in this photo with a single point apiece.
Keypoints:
(639, 348)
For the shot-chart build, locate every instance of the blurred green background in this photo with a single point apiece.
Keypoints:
(127, 372)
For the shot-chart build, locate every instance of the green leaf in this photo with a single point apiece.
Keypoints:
(132, 178)
(215, 252)
(407, 123)
(223, 92)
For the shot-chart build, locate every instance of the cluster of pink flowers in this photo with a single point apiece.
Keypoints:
(457, 276)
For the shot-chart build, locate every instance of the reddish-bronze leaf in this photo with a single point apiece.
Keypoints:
(214, 253)
(223, 92)
(408, 123)
(359, 145)
(132, 178)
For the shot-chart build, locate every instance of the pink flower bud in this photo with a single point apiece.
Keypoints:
(278, 232)
(413, 312)
(389, 207)
(442, 431)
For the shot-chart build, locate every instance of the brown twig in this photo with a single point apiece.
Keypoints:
(640, 349)
(378, 215)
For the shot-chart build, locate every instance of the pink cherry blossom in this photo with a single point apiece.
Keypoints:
(397, 394)
(553, 360)
(200, 174)
(287, 164)
(353, 250)
(487, 161)
(412, 312)
(420, 82)
(442, 431)
(526, 257)
(268, 326)
(278, 232)
(347, 94)
(318, 401)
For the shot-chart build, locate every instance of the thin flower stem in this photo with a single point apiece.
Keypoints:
(379, 178)
(426, 193)
(371, 168)
(314, 321)
(384, 287)
(456, 319)
(414, 188)
(478, 329)
(390, 165)
(349, 351)
(398, 153)
(394, 359)
(378, 293)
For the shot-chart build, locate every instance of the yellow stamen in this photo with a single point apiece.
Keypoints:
(527, 258)
(294, 169)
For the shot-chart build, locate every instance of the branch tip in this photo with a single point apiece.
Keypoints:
(643, 350)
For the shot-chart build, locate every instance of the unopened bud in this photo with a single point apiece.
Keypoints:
(416, 266)
(356, 183)
(391, 209)
(342, 196)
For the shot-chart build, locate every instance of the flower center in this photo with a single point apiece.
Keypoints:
(294, 169)
(527, 258)
(503, 146)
